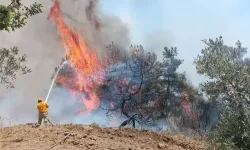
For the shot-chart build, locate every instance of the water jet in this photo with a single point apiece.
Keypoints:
(53, 81)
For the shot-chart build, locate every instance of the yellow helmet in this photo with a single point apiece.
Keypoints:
(39, 99)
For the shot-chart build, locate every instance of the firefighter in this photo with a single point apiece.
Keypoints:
(42, 107)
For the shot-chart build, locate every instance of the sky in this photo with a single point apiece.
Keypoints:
(183, 24)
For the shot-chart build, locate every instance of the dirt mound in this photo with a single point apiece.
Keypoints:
(84, 137)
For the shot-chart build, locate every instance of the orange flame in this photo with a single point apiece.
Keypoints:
(77, 51)
(83, 58)
(111, 103)
(188, 107)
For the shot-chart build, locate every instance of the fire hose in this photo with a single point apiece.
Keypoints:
(50, 122)
(51, 86)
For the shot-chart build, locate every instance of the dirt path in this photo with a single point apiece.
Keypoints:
(89, 137)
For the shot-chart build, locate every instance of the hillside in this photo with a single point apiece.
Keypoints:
(84, 137)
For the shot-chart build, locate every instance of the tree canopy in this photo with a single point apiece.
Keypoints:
(12, 17)
(229, 74)
(15, 15)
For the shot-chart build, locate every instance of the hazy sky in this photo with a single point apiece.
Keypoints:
(182, 23)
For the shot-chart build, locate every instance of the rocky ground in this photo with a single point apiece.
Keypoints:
(90, 137)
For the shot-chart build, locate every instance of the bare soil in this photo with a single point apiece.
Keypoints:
(90, 137)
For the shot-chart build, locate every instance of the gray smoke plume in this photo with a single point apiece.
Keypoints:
(157, 40)
(39, 39)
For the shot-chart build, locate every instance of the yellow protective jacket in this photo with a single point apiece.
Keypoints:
(42, 107)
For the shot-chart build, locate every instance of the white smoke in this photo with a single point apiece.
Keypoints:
(64, 110)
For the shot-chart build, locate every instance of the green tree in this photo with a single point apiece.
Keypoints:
(228, 85)
(12, 17)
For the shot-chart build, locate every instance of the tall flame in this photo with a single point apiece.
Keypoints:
(77, 51)
(89, 72)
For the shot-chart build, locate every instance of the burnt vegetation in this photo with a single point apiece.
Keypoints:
(147, 91)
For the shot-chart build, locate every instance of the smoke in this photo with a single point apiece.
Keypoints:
(157, 40)
(64, 110)
(40, 41)
(97, 28)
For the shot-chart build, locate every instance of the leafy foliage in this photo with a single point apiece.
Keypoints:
(229, 76)
(15, 14)
(12, 17)
(10, 64)
(231, 131)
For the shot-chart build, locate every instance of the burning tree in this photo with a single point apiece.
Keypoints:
(141, 89)
(127, 81)
(179, 99)
(134, 85)
(148, 91)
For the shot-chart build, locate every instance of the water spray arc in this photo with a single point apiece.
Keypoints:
(53, 81)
